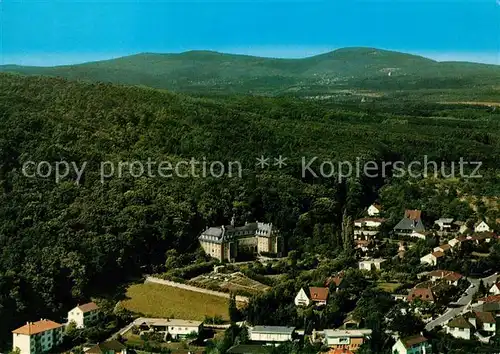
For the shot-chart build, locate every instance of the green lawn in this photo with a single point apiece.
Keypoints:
(156, 300)
(388, 287)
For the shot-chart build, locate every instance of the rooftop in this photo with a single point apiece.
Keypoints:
(459, 322)
(104, 347)
(31, 328)
(332, 333)
(170, 322)
(91, 306)
(318, 294)
(414, 340)
(273, 329)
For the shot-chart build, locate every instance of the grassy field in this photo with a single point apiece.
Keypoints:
(388, 287)
(230, 282)
(156, 300)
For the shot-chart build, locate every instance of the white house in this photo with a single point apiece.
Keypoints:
(453, 242)
(443, 248)
(482, 227)
(495, 289)
(368, 263)
(444, 224)
(412, 345)
(302, 299)
(271, 334)
(460, 328)
(37, 337)
(350, 339)
(83, 315)
(176, 328)
(374, 209)
(431, 258)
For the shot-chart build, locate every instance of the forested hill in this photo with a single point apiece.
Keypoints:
(213, 72)
(61, 242)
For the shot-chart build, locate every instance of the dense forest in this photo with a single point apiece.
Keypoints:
(64, 242)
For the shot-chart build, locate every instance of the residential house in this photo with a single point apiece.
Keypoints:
(368, 264)
(271, 334)
(340, 351)
(459, 327)
(495, 289)
(225, 242)
(461, 226)
(451, 278)
(175, 328)
(482, 227)
(350, 339)
(444, 224)
(109, 347)
(37, 337)
(410, 223)
(432, 258)
(454, 242)
(412, 345)
(367, 226)
(318, 296)
(338, 280)
(374, 209)
(484, 321)
(488, 304)
(424, 294)
(84, 315)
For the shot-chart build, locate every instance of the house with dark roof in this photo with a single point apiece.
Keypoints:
(226, 241)
(459, 327)
(109, 347)
(412, 345)
(84, 315)
(483, 321)
(271, 334)
(410, 224)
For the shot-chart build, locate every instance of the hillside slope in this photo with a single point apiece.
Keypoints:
(213, 72)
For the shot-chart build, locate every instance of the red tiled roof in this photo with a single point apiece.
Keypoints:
(438, 254)
(485, 317)
(424, 294)
(370, 219)
(37, 327)
(490, 299)
(91, 306)
(445, 247)
(318, 294)
(446, 274)
(340, 351)
(413, 214)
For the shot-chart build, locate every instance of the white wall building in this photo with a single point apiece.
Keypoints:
(495, 289)
(431, 258)
(374, 209)
(83, 315)
(301, 299)
(270, 334)
(368, 263)
(412, 345)
(177, 328)
(482, 227)
(37, 337)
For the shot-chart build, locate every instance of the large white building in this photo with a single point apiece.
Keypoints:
(348, 339)
(367, 264)
(83, 315)
(271, 334)
(37, 337)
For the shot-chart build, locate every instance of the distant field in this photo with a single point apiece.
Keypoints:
(156, 300)
(230, 282)
(389, 287)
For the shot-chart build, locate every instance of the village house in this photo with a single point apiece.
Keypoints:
(374, 209)
(451, 278)
(271, 334)
(432, 258)
(465, 326)
(109, 347)
(368, 264)
(459, 327)
(495, 289)
(225, 242)
(444, 224)
(83, 315)
(350, 339)
(175, 328)
(318, 296)
(337, 280)
(482, 226)
(367, 226)
(410, 224)
(37, 337)
(412, 345)
(424, 294)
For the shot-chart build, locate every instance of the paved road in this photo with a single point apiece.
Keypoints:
(462, 303)
(194, 288)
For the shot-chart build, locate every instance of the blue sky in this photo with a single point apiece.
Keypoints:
(45, 32)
